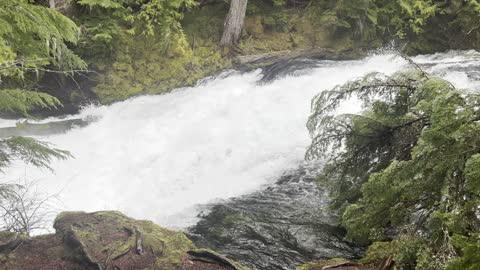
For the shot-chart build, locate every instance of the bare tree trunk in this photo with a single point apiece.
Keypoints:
(52, 4)
(62, 6)
(234, 23)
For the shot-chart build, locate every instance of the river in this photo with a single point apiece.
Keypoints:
(169, 157)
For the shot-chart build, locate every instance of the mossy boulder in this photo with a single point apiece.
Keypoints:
(109, 240)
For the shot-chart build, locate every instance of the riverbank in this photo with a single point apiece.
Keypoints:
(123, 65)
(246, 135)
(107, 240)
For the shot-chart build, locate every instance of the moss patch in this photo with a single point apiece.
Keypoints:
(109, 240)
(141, 65)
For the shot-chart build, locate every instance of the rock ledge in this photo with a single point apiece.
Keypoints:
(107, 241)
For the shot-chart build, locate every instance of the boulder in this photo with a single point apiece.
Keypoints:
(108, 241)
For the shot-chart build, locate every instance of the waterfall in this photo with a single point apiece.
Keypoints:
(158, 157)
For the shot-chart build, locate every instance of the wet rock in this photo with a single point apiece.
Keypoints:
(209, 256)
(333, 264)
(45, 129)
(278, 64)
(107, 241)
(281, 227)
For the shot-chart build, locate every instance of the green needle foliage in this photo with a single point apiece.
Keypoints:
(23, 101)
(406, 168)
(106, 23)
(33, 39)
(30, 151)
(422, 25)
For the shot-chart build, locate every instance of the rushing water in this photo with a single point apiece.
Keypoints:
(159, 157)
(279, 227)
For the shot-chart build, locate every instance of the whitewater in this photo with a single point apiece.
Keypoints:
(160, 157)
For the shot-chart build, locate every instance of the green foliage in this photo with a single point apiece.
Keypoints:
(409, 159)
(404, 250)
(107, 4)
(35, 36)
(105, 21)
(364, 143)
(470, 250)
(387, 20)
(418, 26)
(424, 26)
(22, 101)
(30, 151)
(274, 14)
(133, 63)
(33, 39)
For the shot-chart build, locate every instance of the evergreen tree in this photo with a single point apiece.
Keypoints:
(406, 168)
(423, 26)
(106, 22)
(33, 40)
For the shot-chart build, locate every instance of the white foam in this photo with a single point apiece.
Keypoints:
(156, 157)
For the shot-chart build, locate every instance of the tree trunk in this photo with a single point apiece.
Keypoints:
(62, 6)
(234, 23)
(52, 4)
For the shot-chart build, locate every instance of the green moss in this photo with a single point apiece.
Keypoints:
(104, 233)
(281, 29)
(137, 64)
(7, 237)
(318, 264)
(143, 65)
(376, 252)
(405, 251)
(169, 246)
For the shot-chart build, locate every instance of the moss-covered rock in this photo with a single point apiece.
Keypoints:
(142, 67)
(109, 240)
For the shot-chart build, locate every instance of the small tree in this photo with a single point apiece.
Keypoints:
(23, 209)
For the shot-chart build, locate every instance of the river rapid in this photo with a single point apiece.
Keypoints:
(231, 142)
